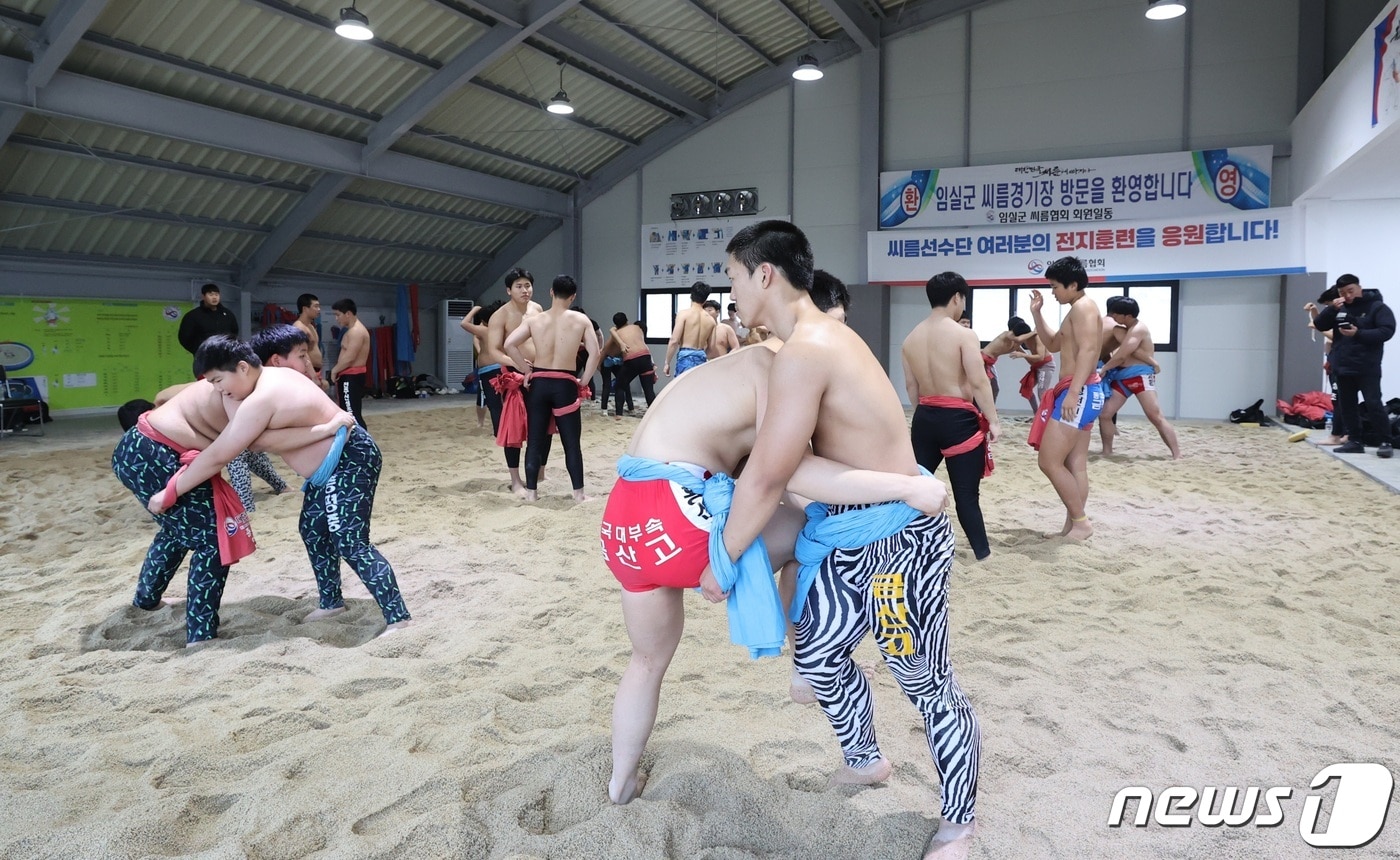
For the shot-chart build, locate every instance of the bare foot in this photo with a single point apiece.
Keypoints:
(519, 490)
(800, 691)
(951, 841)
(868, 775)
(1333, 440)
(318, 614)
(628, 790)
(1062, 532)
(530, 496)
(1080, 530)
(580, 497)
(171, 601)
(396, 626)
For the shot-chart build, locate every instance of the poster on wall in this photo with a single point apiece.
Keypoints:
(91, 353)
(1265, 242)
(676, 254)
(1385, 75)
(1125, 188)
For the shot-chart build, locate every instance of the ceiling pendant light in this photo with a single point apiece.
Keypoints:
(560, 104)
(354, 24)
(1164, 10)
(807, 69)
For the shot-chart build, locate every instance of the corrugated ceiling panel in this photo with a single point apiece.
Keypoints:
(39, 229)
(448, 153)
(536, 75)
(377, 224)
(256, 42)
(133, 72)
(687, 33)
(340, 259)
(615, 42)
(445, 202)
(103, 137)
(59, 176)
(765, 24)
(517, 128)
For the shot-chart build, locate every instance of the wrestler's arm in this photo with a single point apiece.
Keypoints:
(674, 343)
(471, 326)
(1051, 339)
(824, 480)
(911, 385)
(595, 355)
(975, 373)
(288, 438)
(349, 342)
(512, 348)
(248, 422)
(1123, 353)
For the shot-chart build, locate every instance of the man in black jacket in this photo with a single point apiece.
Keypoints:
(206, 320)
(1361, 324)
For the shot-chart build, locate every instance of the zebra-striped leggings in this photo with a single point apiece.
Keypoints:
(898, 588)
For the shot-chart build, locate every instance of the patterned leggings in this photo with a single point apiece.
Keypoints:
(335, 525)
(240, 473)
(897, 587)
(144, 467)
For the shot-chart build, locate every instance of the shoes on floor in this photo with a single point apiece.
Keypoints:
(1384, 451)
(1351, 447)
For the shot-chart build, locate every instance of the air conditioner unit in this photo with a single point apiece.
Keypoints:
(457, 360)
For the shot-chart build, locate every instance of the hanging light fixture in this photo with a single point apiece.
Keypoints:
(807, 69)
(354, 24)
(560, 104)
(1164, 10)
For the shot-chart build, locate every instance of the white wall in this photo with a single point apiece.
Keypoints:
(1357, 237)
(1049, 79)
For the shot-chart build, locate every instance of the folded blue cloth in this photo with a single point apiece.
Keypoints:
(322, 475)
(825, 533)
(1127, 372)
(487, 368)
(755, 611)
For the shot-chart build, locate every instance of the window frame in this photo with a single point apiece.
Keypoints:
(680, 299)
(1170, 344)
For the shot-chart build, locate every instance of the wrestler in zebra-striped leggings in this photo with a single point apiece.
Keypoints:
(898, 588)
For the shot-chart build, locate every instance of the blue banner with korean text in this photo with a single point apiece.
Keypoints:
(1260, 242)
(1124, 188)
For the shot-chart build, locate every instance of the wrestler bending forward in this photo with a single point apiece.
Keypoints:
(655, 532)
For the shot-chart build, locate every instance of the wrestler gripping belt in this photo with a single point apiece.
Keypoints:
(637, 365)
(511, 422)
(1032, 381)
(335, 514)
(1130, 380)
(990, 363)
(146, 462)
(553, 402)
(955, 429)
(486, 377)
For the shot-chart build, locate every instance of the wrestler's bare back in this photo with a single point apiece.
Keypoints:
(937, 352)
(713, 421)
(192, 418)
(556, 338)
(630, 338)
(695, 327)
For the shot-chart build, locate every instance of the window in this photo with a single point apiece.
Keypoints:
(991, 307)
(659, 309)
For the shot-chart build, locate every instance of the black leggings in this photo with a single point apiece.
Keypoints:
(351, 389)
(612, 382)
(493, 405)
(936, 428)
(541, 400)
(634, 368)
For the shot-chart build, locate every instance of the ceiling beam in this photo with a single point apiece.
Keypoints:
(573, 118)
(482, 279)
(474, 59)
(108, 210)
(88, 99)
(50, 46)
(729, 31)
(559, 40)
(786, 5)
(627, 32)
(379, 245)
(860, 25)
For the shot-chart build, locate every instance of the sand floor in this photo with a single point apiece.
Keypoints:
(1233, 623)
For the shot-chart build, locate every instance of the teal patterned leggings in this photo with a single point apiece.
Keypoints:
(335, 525)
(144, 467)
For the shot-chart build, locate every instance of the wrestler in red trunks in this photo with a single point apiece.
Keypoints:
(655, 534)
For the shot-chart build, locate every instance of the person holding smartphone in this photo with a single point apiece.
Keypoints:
(1361, 324)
